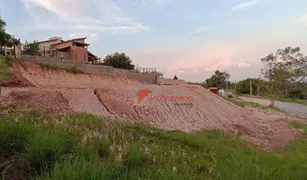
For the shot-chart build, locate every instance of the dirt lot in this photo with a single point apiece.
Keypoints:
(61, 92)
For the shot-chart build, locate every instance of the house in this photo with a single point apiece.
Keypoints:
(73, 49)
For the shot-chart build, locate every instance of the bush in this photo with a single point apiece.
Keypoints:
(13, 137)
(75, 70)
(44, 148)
(9, 61)
(134, 156)
(296, 94)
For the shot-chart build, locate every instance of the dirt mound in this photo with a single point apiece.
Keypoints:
(204, 111)
(34, 75)
(183, 107)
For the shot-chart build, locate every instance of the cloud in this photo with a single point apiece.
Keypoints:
(199, 30)
(243, 65)
(301, 19)
(244, 5)
(79, 15)
(91, 37)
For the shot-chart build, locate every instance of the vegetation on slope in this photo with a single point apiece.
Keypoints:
(87, 147)
(5, 63)
(73, 70)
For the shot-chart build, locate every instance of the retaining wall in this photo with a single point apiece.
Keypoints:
(145, 78)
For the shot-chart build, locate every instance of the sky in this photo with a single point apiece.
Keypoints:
(187, 38)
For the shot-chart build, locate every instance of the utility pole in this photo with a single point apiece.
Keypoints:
(259, 85)
(250, 87)
(226, 85)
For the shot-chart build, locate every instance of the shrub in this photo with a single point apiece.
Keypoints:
(44, 148)
(49, 66)
(134, 156)
(9, 61)
(75, 70)
(13, 136)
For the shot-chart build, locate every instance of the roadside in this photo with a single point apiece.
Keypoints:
(288, 100)
(293, 109)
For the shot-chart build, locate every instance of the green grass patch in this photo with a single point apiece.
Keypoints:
(297, 101)
(84, 146)
(73, 70)
(44, 148)
(289, 100)
(253, 104)
(5, 63)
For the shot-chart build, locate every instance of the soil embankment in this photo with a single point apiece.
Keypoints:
(163, 107)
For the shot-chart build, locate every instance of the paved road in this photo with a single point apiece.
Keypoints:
(291, 108)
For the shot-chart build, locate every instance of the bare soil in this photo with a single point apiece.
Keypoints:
(62, 92)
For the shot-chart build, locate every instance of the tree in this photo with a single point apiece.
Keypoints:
(243, 86)
(159, 74)
(31, 48)
(219, 79)
(175, 77)
(118, 60)
(6, 40)
(285, 67)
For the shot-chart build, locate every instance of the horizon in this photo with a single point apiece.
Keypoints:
(183, 38)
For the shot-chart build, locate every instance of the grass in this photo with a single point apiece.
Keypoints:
(73, 70)
(5, 63)
(299, 125)
(289, 100)
(83, 146)
(44, 148)
(253, 104)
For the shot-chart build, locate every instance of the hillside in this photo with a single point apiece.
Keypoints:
(62, 124)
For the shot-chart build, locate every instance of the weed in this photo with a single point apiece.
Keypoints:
(73, 70)
(81, 169)
(85, 152)
(13, 136)
(298, 125)
(104, 148)
(44, 148)
(5, 63)
(134, 156)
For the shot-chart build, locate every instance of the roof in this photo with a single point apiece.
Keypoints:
(91, 53)
(48, 40)
(81, 43)
(63, 47)
(73, 40)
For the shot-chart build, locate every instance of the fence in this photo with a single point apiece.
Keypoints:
(143, 77)
(145, 70)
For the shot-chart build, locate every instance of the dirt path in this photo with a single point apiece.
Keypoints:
(292, 109)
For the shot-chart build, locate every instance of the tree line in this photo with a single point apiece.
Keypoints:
(284, 75)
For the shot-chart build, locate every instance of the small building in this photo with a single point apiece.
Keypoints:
(73, 49)
(214, 90)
